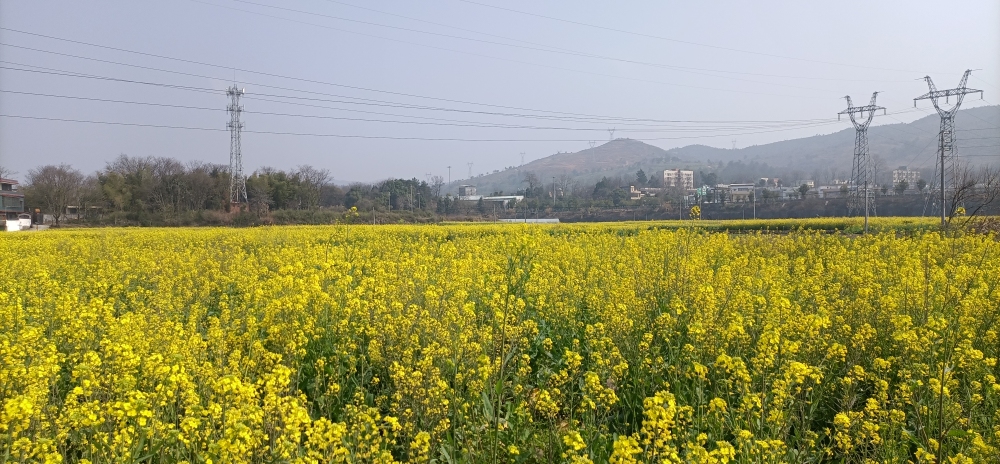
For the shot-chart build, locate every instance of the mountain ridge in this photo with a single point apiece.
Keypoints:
(830, 155)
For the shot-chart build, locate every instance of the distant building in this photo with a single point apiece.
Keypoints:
(466, 192)
(789, 193)
(533, 221)
(810, 183)
(769, 182)
(830, 191)
(503, 201)
(740, 192)
(651, 191)
(11, 200)
(678, 178)
(905, 175)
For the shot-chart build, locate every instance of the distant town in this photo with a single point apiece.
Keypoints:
(160, 191)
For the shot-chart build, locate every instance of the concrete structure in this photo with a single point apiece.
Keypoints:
(466, 191)
(740, 192)
(831, 191)
(533, 221)
(909, 176)
(651, 191)
(502, 200)
(790, 193)
(11, 200)
(678, 178)
(810, 183)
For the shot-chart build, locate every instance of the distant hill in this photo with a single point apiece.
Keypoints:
(910, 144)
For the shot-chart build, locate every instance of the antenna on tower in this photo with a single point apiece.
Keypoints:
(947, 147)
(237, 183)
(862, 177)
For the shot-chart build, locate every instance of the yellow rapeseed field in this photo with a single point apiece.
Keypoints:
(601, 343)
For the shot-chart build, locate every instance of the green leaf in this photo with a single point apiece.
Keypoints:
(958, 433)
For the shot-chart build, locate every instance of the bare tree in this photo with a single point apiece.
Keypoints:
(54, 188)
(169, 186)
(437, 183)
(90, 194)
(976, 187)
(311, 183)
(207, 185)
(6, 172)
(565, 183)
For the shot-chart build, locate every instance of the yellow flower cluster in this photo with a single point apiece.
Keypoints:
(499, 343)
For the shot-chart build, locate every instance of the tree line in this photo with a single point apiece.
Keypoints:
(164, 191)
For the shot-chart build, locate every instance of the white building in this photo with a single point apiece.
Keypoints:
(503, 201)
(905, 175)
(740, 192)
(467, 192)
(678, 178)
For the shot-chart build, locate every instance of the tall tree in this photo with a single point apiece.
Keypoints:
(311, 182)
(54, 188)
(640, 177)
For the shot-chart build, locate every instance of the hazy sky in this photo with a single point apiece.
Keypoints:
(543, 76)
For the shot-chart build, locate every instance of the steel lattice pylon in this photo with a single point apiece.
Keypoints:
(237, 183)
(862, 195)
(947, 165)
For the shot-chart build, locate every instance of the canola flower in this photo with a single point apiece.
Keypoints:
(596, 343)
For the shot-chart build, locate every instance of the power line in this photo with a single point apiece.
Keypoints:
(947, 148)
(237, 182)
(548, 49)
(266, 113)
(687, 42)
(372, 102)
(305, 134)
(408, 42)
(862, 174)
(576, 52)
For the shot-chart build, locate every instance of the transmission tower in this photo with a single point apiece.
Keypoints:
(947, 148)
(611, 135)
(862, 196)
(237, 183)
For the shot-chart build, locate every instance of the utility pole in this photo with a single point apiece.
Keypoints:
(861, 176)
(947, 147)
(237, 183)
(553, 192)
